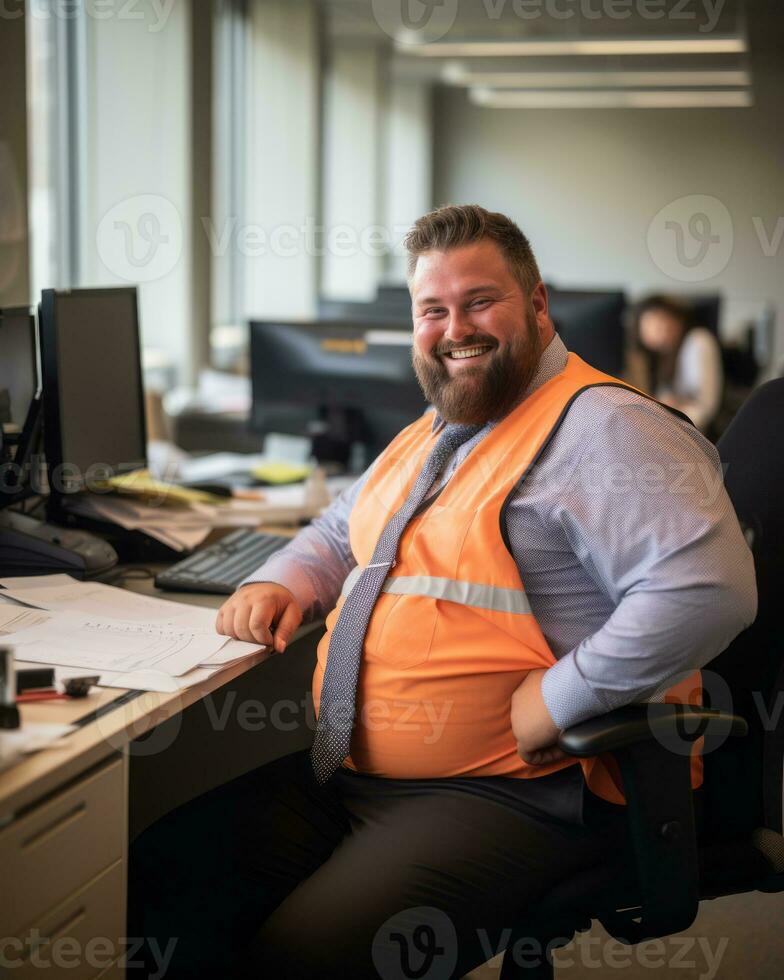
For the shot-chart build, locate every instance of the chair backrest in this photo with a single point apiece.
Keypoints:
(743, 779)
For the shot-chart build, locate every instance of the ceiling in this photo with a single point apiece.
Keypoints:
(458, 21)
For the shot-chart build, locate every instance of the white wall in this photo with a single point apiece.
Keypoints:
(408, 164)
(352, 125)
(377, 170)
(585, 187)
(282, 160)
(137, 175)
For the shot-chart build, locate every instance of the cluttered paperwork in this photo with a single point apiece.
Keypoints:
(182, 518)
(129, 640)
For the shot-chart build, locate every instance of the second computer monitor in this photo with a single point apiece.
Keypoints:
(18, 372)
(92, 385)
(339, 383)
(590, 323)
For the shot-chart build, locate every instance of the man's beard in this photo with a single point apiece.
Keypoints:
(477, 395)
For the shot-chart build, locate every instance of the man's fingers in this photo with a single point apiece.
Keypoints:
(286, 626)
(260, 617)
(240, 628)
(542, 757)
(252, 611)
(225, 618)
(251, 621)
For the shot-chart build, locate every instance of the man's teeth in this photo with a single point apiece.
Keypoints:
(459, 355)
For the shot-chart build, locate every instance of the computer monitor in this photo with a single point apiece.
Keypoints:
(18, 372)
(395, 296)
(339, 383)
(591, 325)
(374, 312)
(92, 385)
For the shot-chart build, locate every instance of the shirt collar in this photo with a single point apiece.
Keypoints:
(551, 363)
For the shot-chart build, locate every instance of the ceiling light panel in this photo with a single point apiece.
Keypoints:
(568, 47)
(597, 79)
(613, 99)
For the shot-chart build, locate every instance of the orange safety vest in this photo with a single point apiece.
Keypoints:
(452, 634)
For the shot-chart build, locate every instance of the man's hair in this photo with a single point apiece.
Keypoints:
(463, 224)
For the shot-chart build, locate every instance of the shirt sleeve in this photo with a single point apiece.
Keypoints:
(315, 564)
(661, 537)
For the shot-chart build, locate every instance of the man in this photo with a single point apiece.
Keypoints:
(545, 547)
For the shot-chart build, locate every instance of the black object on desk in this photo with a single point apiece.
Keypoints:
(9, 713)
(221, 567)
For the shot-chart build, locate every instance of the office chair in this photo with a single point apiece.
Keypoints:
(740, 846)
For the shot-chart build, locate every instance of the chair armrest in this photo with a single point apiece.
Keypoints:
(642, 722)
(652, 745)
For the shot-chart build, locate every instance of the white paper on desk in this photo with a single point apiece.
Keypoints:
(73, 640)
(156, 680)
(218, 465)
(62, 593)
(177, 527)
(15, 617)
(185, 539)
(232, 651)
(137, 680)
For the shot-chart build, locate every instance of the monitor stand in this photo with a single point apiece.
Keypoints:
(334, 435)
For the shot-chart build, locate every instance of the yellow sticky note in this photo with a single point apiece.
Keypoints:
(281, 472)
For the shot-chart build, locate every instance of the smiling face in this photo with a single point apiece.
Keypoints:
(477, 336)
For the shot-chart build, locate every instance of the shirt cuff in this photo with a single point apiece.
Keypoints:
(567, 695)
(280, 571)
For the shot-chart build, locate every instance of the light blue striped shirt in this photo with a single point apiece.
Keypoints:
(628, 547)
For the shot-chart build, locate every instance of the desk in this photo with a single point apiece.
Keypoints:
(67, 814)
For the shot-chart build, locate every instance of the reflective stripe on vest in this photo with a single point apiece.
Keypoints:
(452, 590)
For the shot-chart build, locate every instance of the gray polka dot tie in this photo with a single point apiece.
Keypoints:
(338, 692)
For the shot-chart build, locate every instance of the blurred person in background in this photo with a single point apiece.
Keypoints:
(683, 359)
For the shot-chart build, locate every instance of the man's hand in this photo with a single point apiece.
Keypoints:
(257, 610)
(534, 729)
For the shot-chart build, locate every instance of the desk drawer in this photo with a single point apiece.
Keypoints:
(56, 847)
(78, 938)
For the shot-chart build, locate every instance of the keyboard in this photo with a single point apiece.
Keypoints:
(221, 567)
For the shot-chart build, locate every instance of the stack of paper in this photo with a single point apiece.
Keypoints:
(129, 640)
(183, 526)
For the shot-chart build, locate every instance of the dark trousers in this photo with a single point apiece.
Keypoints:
(273, 876)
